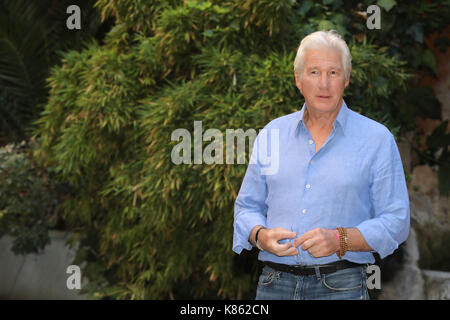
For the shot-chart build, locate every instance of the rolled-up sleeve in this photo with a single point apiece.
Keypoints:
(250, 207)
(390, 221)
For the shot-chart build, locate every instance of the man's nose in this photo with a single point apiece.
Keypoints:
(323, 82)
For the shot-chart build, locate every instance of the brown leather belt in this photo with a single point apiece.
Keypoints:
(311, 270)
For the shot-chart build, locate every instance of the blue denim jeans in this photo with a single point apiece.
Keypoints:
(345, 284)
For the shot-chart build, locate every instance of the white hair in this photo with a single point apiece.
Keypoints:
(323, 39)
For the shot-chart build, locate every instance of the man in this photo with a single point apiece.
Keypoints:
(339, 193)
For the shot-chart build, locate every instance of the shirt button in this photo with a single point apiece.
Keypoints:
(304, 211)
(311, 142)
(308, 186)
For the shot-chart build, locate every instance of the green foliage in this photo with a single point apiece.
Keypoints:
(29, 199)
(148, 228)
(23, 64)
(31, 34)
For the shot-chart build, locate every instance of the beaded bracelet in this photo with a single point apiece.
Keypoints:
(343, 243)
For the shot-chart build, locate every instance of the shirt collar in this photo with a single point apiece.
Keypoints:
(341, 118)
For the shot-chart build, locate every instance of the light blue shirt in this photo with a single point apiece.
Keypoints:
(355, 179)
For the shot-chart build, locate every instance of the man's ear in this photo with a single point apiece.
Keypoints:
(297, 81)
(347, 82)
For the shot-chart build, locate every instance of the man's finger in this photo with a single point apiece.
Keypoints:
(281, 233)
(284, 246)
(291, 252)
(315, 251)
(300, 240)
(285, 249)
(308, 244)
(288, 251)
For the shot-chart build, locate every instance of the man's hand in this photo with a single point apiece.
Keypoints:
(268, 240)
(319, 242)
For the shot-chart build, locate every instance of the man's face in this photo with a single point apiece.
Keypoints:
(323, 79)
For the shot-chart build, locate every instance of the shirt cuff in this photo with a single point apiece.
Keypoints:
(242, 229)
(377, 237)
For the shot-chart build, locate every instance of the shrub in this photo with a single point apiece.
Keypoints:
(29, 199)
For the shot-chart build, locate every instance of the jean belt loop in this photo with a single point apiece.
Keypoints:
(317, 269)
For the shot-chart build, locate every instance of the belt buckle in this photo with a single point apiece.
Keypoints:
(303, 270)
(323, 269)
(297, 269)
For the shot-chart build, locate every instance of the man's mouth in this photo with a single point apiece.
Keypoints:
(323, 97)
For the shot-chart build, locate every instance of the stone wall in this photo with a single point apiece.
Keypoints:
(37, 276)
(413, 283)
(429, 239)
